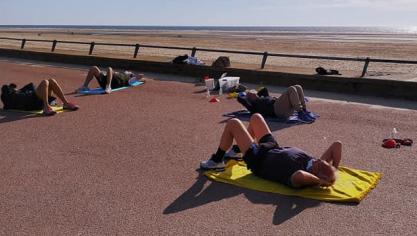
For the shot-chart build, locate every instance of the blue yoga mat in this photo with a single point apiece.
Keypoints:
(100, 90)
(293, 119)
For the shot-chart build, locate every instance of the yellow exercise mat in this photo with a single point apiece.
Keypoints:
(58, 109)
(351, 185)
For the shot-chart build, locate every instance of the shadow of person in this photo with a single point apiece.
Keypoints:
(287, 207)
(197, 195)
(9, 116)
(273, 125)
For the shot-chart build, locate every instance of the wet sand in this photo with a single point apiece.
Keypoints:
(382, 46)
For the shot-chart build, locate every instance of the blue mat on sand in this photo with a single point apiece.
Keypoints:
(293, 119)
(100, 90)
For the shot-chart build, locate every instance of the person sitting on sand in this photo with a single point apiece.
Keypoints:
(282, 107)
(266, 159)
(31, 98)
(110, 79)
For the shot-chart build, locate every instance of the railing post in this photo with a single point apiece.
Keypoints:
(91, 48)
(365, 67)
(193, 51)
(136, 50)
(54, 45)
(23, 44)
(264, 60)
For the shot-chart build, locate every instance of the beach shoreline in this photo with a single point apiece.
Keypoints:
(356, 45)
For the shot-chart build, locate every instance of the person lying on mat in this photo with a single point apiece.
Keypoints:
(266, 159)
(282, 107)
(31, 98)
(110, 79)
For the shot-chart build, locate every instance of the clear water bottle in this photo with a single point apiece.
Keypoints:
(394, 133)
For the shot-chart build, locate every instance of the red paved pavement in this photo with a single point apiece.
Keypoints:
(125, 164)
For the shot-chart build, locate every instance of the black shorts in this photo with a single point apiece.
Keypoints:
(25, 102)
(116, 82)
(33, 102)
(269, 161)
(255, 155)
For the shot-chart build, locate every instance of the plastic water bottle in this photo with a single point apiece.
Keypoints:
(221, 91)
(393, 133)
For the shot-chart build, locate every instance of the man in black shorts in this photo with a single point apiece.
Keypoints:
(110, 79)
(266, 159)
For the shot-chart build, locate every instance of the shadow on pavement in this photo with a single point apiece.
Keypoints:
(197, 195)
(273, 125)
(10, 116)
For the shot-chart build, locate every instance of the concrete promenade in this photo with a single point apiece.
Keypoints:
(125, 164)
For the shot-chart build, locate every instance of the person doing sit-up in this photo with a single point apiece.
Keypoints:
(31, 98)
(282, 107)
(267, 159)
(110, 79)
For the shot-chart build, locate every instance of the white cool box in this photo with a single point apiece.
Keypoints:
(227, 83)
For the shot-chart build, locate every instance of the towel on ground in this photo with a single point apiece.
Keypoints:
(58, 109)
(351, 185)
(100, 90)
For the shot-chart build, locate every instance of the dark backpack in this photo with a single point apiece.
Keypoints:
(221, 62)
(180, 59)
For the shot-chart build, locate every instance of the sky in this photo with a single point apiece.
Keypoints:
(210, 12)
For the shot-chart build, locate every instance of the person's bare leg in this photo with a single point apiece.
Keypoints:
(294, 98)
(235, 130)
(333, 154)
(300, 93)
(287, 103)
(109, 79)
(258, 127)
(54, 87)
(42, 91)
(92, 72)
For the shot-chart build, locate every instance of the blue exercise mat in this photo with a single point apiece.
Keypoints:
(293, 119)
(100, 90)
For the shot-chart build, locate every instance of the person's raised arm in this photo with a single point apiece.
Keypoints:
(303, 178)
(333, 154)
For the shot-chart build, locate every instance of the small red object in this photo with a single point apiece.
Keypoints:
(206, 77)
(214, 99)
(389, 143)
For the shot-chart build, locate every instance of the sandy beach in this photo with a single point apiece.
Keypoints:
(381, 46)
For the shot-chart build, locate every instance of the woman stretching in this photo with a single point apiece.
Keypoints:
(266, 159)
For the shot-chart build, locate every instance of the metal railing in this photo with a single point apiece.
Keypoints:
(194, 50)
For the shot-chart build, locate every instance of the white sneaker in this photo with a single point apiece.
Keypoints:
(212, 165)
(107, 90)
(234, 153)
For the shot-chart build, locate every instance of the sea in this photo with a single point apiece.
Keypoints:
(249, 29)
